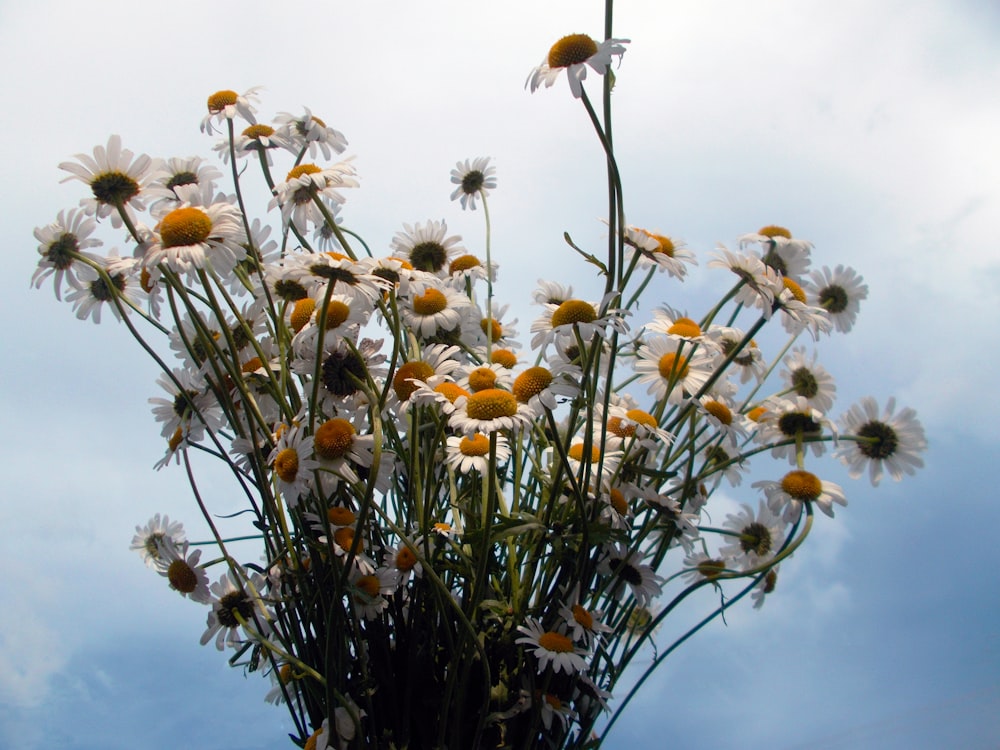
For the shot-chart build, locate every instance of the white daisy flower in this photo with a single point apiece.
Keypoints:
(760, 281)
(170, 174)
(195, 237)
(469, 453)
(627, 567)
(114, 178)
(426, 247)
(798, 488)
(749, 361)
(552, 647)
(551, 293)
(839, 292)
(226, 105)
(306, 182)
(340, 449)
(804, 377)
(182, 570)
(764, 586)
(293, 465)
(797, 314)
(438, 310)
(787, 256)
(539, 387)
(674, 370)
(562, 322)
(490, 410)
(148, 538)
(255, 139)
(474, 178)
(702, 567)
(888, 441)
(231, 602)
(308, 133)
(658, 251)
(789, 420)
(190, 408)
(584, 625)
(573, 53)
(59, 244)
(758, 536)
(95, 292)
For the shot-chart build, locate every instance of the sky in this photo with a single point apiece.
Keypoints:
(867, 128)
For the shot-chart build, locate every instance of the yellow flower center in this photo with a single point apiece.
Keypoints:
(442, 528)
(492, 403)
(576, 453)
(618, 501)
(482, 378)
(430, 302)
(642, 417)
(504, 357)
(794, 288)
(451, 391)
(285, 674)
(185, 226)
(302, 312)
(666, 247)
(318, 121)
(300, 170)
(573, 311)
(313, 739)
(771, 230)
(402, 381)
(368, 585)
(182, 577)
(252, 365)
(571, 50)
(802, 485)
(259, 131)
(557, 642)
(286, 464)
(492, 328)
(621, 428)
(405, 559)
(530, 383)
(222, 99)
(338, 515)
(463, 263)
(583, 617)
(673, 367)
(477, 445)
(336, 313)
(344, 537)
(711, 568)
(685, 327)
(175, 440)
(756, 413)
(720, 411)
(334, 438)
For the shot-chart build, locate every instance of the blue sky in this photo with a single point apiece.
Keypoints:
(868, 128)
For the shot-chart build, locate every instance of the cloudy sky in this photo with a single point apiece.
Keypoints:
(866, 127)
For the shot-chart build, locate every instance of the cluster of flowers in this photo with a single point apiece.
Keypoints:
(460, 544)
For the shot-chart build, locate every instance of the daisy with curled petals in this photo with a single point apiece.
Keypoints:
(174, 173)
(340, 448)
(747, 358)
(678, 526)
(787, 256)
(632, 426)
(194, 237)
(797, 313)
(726, 424)
(539, 387)
(755, 536)
(573, 53)
(798, 488)
(804, 377)
(658, 251)
(888, 441)
(181, 569)
(306, 132)
(703, 567)
(114, 178)
(233, 607)
(255, 139)
(60, 244)
(791, 421)
(148, 538)
(474, 178)
(95, 290)
(583, 624)
(627, 567)
(564, 321)
(489, 410)
(307, 183)
(765, 586)
(226, 105)
(839, 292)
(673, 369)
(293, 464)
(760, 282)
(316, 271)
(552, 647)
(468, 453)
(426, 246)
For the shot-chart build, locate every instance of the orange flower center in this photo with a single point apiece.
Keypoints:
(402, 381)
(369, 585)
(300, 170)
(772, 230)
(571, 50)
(673, 367)
(451, 391)
(477, 445)
(463, 263)
(336, 313)
(618, 501)
(182, 577)
(302, 312)
(573, 311)
(794, 288)
(259, 131)
(185, 226)
(338, 515)
(222, 99)
(482, 378)
(530, 383)
(334, 438)
(286, 464)
(802, 485)
(685, 327)
(405, 559)
(430, 302)
(583, 617)
(720, 411)
(557, 642)
(504, 357)
(491, 404)
(492, 328)
(576, 452)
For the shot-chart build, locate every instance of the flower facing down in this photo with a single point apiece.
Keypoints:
(552, 647)
(574, 53)
(474, 178)
(888, 441)
(232, 608)
(115, 179)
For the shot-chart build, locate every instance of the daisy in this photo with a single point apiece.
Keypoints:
(562, 322)
(490, 410)
(368, 592)
(436, 363)
(342, 319)
(316, 271)
(726, 424)
(478, 377)
(255, 139)
(797, 314)
(674, 524)
(474, 179)
(95, 290)
(114, 178)
(230, 604)
(807, 379)
(293, 465)
(340, 448)
(798, 488)
(702, 567)
(551, 293)
(539, 387)
(760, 283)
(574, 53)
(552, 647)
(195, 237)
(628, 567)
(658, 251)
(148, 538)
(438, 310)
(173, 173)
(673, 369)
(718, 463)
(839, 292)
(584, 625)
(303, 185)
(182, 570)
(765, 586)
(426, 247)
(787, 256)
(59, 245)
(757, 538)
(793, 420)
(890, 441)
(302, 133)
(749, 361)
(674, 325)
(470, 453)
(226, 105)
(190, 407)
(634, 427)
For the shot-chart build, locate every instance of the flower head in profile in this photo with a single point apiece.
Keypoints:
(574, 53)
(148, 538)
(474, 179)
(888, 441)
(226, 105)
(115, 179)
(798, 488)
(59, 244)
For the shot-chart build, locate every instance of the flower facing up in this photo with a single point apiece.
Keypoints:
(673, 369)
(437, 311)
(115, 179)
(573, 53)
(552, 647)
(890, 441)
(469, 453)
(59, 243)
(194, 237)
(293, 464)
(489, 410)
(227, 105)
(474, 178)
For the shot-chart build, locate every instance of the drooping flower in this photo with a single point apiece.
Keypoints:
(59, 242)
(115, 179)
(889, 441)
(474, 178)
(226, 105)
(573, 53)
(839, 292)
